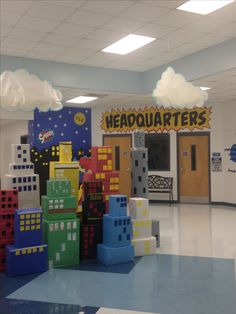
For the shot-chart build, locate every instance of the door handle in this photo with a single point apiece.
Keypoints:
(127, 169)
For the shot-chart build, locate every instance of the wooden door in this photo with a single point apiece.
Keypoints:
(193, 167)
(121, 151)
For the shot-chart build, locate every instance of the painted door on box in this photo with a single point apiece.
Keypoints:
(121, 155)
(193, 156)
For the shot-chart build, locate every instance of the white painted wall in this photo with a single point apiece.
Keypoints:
(10, 133)
(228, 139)
(222, 134)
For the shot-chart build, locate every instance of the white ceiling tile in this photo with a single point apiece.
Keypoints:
(50, 11)
(184, 36)
(13, 52)
(120, 24)
(177, 18)
(207, 25)
(188, 49)
(37, 24)
(141, 67)
(90, 44)
(172, 4)
(15, 6)
(146, 52)
(210, 40)
(93, 62)
(229, 30)
(41, 55)
(88, 18)
(142, 12)
(45, 47)
(154, 30)
(68, 3)
(130, 59)
(106, 7)
(69, 59)
(232, 72)
(227, 13)
(73, 30)
(165, 44)
(100, 57)
(114, 65)
(83, 53)
(17, 43)
(152, 62)
(4, 30)
(170, 55)
(9, 19)
(106, 36)
(61, 40)
(26, 34)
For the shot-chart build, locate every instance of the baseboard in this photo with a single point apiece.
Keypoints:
(223, 204)
(163, 201)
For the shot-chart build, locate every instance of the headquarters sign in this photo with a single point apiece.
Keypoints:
(154, 119)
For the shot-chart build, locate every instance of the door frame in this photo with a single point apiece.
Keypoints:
(206, 133)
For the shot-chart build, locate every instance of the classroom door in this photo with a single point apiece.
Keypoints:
(121, 152)
(193, 156)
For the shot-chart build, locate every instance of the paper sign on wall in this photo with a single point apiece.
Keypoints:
(155, 119)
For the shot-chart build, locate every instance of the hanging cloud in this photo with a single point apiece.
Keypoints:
(172, 90)
(21, 90)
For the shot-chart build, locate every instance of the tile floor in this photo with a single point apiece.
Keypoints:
(193, 272)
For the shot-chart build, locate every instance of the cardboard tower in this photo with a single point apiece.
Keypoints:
(22, 177)
(117, 232)
(143, 241)
(8, 203)
(139, 166)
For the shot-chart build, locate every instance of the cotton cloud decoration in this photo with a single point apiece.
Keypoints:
(21, 90)
(172, 90)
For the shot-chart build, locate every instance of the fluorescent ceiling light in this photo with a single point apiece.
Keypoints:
(203, 7)
(205, 88)
(81, 99)
(129, 43)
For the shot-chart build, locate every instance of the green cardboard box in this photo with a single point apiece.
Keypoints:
(63, 239)
(58, 188)
(56, 208)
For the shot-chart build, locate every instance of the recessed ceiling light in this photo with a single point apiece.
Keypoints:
(128, 43)
(81, 99)
(205, 88)
(203, 7)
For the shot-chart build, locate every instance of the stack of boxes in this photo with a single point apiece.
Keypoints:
(61, 227)
(93, 209)
(22, 177)
(117, 231)
(139, 166)
(65, 168)
(8, 203)
(143, 241)
(28, 254)
(101, 170)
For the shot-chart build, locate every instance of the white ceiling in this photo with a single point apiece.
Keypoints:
(76, 31)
